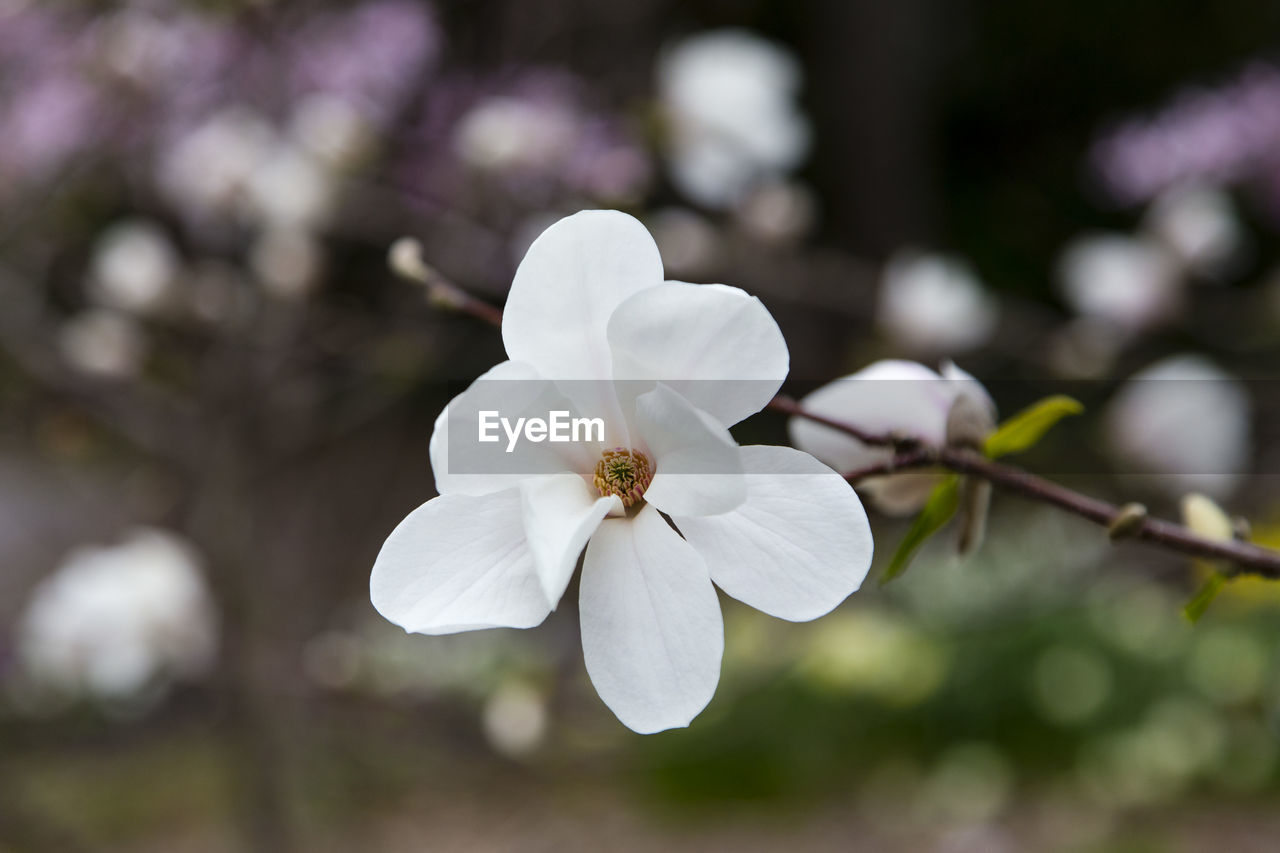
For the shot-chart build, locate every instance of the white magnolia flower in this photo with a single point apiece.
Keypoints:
(1199, 225)
(1185, 419)
(134, 266)
(1131, 283)
(666, 505)
(886, 397)
(112, 620)
(935, 303)
(730, 98)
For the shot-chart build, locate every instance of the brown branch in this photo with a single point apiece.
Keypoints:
(788, 406)
(1245, 558)
(918, 457)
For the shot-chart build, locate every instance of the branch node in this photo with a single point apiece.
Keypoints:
(1128, 521)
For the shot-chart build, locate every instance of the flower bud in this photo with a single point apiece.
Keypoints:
(1131, 518)
(969, 422)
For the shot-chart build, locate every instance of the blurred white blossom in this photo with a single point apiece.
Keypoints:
(779, 212)
(103, 343)
(1199, 225)
(134, 266)
(138, 45)
(506, 133)
(1085, 348)
(1185, 419)
(207, 171)
(288, 261)
(1129, 282)
(730, 101)
(515, 718)
(935, 303)
(688, 242)
(288, 188)
(544, 133)
(113, 620)
(331, 130)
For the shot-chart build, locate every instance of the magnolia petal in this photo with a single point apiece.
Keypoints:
(697, 469)
(569, 283)
(560, 514)
(464, 465)
(964, 382)
(715, 345)
(887, 396)
(459, 563)
(797, 546)
(900, 494)
(652, 633)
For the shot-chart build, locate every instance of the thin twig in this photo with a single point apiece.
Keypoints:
(788, 406)
(405, 259)
(1245, 558)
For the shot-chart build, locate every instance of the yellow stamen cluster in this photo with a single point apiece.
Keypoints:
(625, 473)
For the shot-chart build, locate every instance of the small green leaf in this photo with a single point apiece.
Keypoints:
(937, 511)
(1199, 603)
(1027, 427)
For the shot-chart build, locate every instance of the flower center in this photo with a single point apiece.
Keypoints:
(625, 473)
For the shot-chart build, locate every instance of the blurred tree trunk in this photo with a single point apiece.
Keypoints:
(871, 67)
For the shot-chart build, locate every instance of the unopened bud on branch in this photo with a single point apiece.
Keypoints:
(1130, 520)
(1206, 518)
(405, 259)
(969, 423)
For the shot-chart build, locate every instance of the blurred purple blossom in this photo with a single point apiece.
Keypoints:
(47, 123)
(1228, 134)
(535, 133)
(71, 81)
(371, 56)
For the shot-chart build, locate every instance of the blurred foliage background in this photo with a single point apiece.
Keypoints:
(215, 401)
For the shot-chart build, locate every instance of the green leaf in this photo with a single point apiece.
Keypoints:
(937, 511)
(1199, 603)
(1027, 427)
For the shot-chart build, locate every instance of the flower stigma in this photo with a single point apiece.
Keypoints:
(625, 473)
